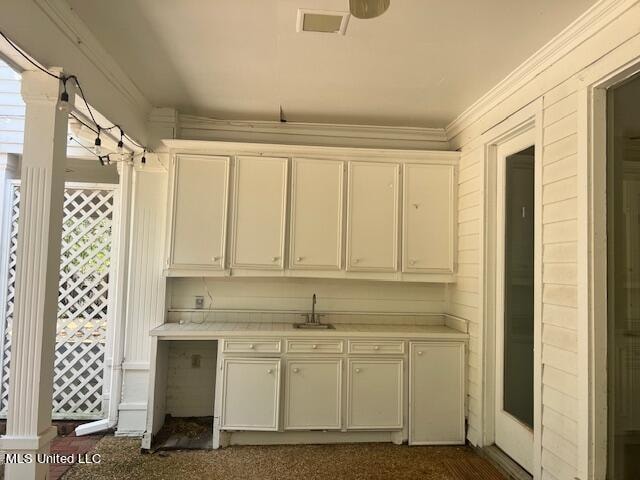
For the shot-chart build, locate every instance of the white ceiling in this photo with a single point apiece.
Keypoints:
(420, 64)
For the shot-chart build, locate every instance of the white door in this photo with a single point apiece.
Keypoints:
(199, 220)
(375, 392)
(515, 311)
(316, 214)
(250, 394)
(260, 194)
(436, 415)
(428, 218)
(313, 394)
(372, 221)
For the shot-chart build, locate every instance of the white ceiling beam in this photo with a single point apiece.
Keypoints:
(51, 33)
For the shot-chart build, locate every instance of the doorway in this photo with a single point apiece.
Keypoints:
(515, 270)
(623, 280)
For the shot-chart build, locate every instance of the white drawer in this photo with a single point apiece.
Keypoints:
(243, 345)
(314, 346)
(375, 347)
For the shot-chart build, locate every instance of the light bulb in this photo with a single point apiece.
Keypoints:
(63, 104)
(120, 150)
(97, 146)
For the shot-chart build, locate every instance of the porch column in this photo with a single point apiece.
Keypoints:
(29, 429)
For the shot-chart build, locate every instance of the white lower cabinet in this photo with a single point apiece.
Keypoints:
(436, 391)
(250, 393)
(313, 394)
(374, 397)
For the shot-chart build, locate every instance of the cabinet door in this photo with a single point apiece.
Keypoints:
(436, 390)
(199, 220)
(250, 394)
(316, 214)
(260, 196)
(375, 394)
(372, 222)
(313, 394)
(428, 220)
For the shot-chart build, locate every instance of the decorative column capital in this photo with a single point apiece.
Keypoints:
(38, 87)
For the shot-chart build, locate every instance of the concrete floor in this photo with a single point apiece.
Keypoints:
(121, 459)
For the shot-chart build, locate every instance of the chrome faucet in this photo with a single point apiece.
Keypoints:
(312, 320)
(312, 317)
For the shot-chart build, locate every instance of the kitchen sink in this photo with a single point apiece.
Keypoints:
(314, 326)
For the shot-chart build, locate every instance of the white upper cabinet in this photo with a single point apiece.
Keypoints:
(372, 219)
(199, 212)
(260, 198)
(428, 219)
(316, 214)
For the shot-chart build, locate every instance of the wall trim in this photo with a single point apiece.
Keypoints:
(310, 133)
(587, 25)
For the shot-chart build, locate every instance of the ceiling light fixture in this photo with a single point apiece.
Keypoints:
(365, 9)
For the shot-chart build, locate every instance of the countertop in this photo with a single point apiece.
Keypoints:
(451, 330)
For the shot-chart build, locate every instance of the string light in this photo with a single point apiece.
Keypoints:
(64, 105)
(97, 144)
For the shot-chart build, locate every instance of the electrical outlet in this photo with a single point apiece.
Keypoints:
(199, 302)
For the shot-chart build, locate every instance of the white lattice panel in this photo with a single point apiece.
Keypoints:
(82, 302)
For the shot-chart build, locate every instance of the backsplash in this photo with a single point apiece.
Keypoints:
(284, 299)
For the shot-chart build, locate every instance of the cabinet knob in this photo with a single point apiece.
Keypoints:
(275, 259)
(314, 346)
(420, 352)
(376, 347)
(356, 260)
(357, 370)
(412, 261)
(298, 259)
(251, 346)
(216, 258)
(269, 370)
(296, 370)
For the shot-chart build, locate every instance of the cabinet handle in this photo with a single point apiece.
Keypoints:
(269, 370)
(376, 347)
(314, 346)
(357, 370)
(420, 352)
(296, 370)
(251, 346)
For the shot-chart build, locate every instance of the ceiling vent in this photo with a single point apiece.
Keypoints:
(322, 21)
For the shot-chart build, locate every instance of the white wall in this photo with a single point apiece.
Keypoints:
(294, 294)
(613, 42)
(145, 295)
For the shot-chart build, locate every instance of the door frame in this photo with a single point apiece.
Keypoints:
(592, 265)
(527, 119)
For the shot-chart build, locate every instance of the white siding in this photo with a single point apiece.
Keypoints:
(11, 111)
(605, 51)
(465, 294)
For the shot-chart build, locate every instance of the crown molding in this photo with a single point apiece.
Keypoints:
(588, 24)
(193, 127)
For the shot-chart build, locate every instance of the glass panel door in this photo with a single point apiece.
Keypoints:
(518, 287)
(623, 240)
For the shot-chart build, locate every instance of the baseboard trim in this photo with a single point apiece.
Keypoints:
(503, 462)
